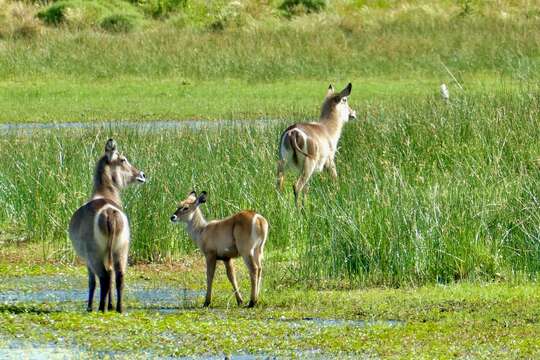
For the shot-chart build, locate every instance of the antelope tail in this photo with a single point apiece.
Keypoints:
(292, 135)
(112, 225)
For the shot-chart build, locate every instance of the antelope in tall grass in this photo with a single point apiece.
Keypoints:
(311, 147)
(242, 234)
(99, 230)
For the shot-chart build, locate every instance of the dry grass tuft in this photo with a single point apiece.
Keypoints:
(18, 20)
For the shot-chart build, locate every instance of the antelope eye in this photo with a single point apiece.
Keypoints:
(123, 160)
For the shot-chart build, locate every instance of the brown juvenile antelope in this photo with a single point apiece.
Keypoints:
(242, 234)
(99, 230)
(311, 147)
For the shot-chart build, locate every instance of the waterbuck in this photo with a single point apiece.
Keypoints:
(242, 234)
(99, 230)
(311, 147)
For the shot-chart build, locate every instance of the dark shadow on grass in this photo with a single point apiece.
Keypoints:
(161, 309)
(25, 309)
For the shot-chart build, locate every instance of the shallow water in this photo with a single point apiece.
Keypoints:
(51, 351)
(46, 296)
(323, 323)
(47, 289)
(356, 323)
(164, 300)
(16, 350)
(23, 349)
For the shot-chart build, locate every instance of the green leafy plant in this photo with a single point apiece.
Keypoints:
(119, 23)
(296, 7)
(161, 8)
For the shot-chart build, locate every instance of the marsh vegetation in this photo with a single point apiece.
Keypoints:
(427, 191)
(432, 223)
(44, 317)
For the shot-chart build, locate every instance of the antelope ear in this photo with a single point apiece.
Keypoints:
(192, 195)
(330, 91)
(110, 150)
(346, 92)
(202, 198)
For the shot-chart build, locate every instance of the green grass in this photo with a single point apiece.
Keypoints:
(465, 320)
(136, 99)
(427, 191)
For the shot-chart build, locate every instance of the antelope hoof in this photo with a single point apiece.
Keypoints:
(206, 303)
(252, 304)
(239, 302)
(89, 309)
(119, 310)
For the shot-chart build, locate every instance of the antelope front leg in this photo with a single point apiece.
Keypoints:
(210, 270)
(229, 265)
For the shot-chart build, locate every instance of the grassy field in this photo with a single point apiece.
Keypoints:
(463, 320)
(138, 99)
(133, 99)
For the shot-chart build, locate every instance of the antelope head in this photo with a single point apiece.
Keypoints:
(187, 207)
(337, 104)
(117, 168)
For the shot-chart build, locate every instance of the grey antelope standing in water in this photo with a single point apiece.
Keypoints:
(311, 147)
(99, 230)
(242, 234)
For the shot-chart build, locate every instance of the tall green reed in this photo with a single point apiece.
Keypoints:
(427, 191)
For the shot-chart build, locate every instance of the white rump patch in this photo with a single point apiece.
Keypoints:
(283, 151)
(257, 239)
(122, 239)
